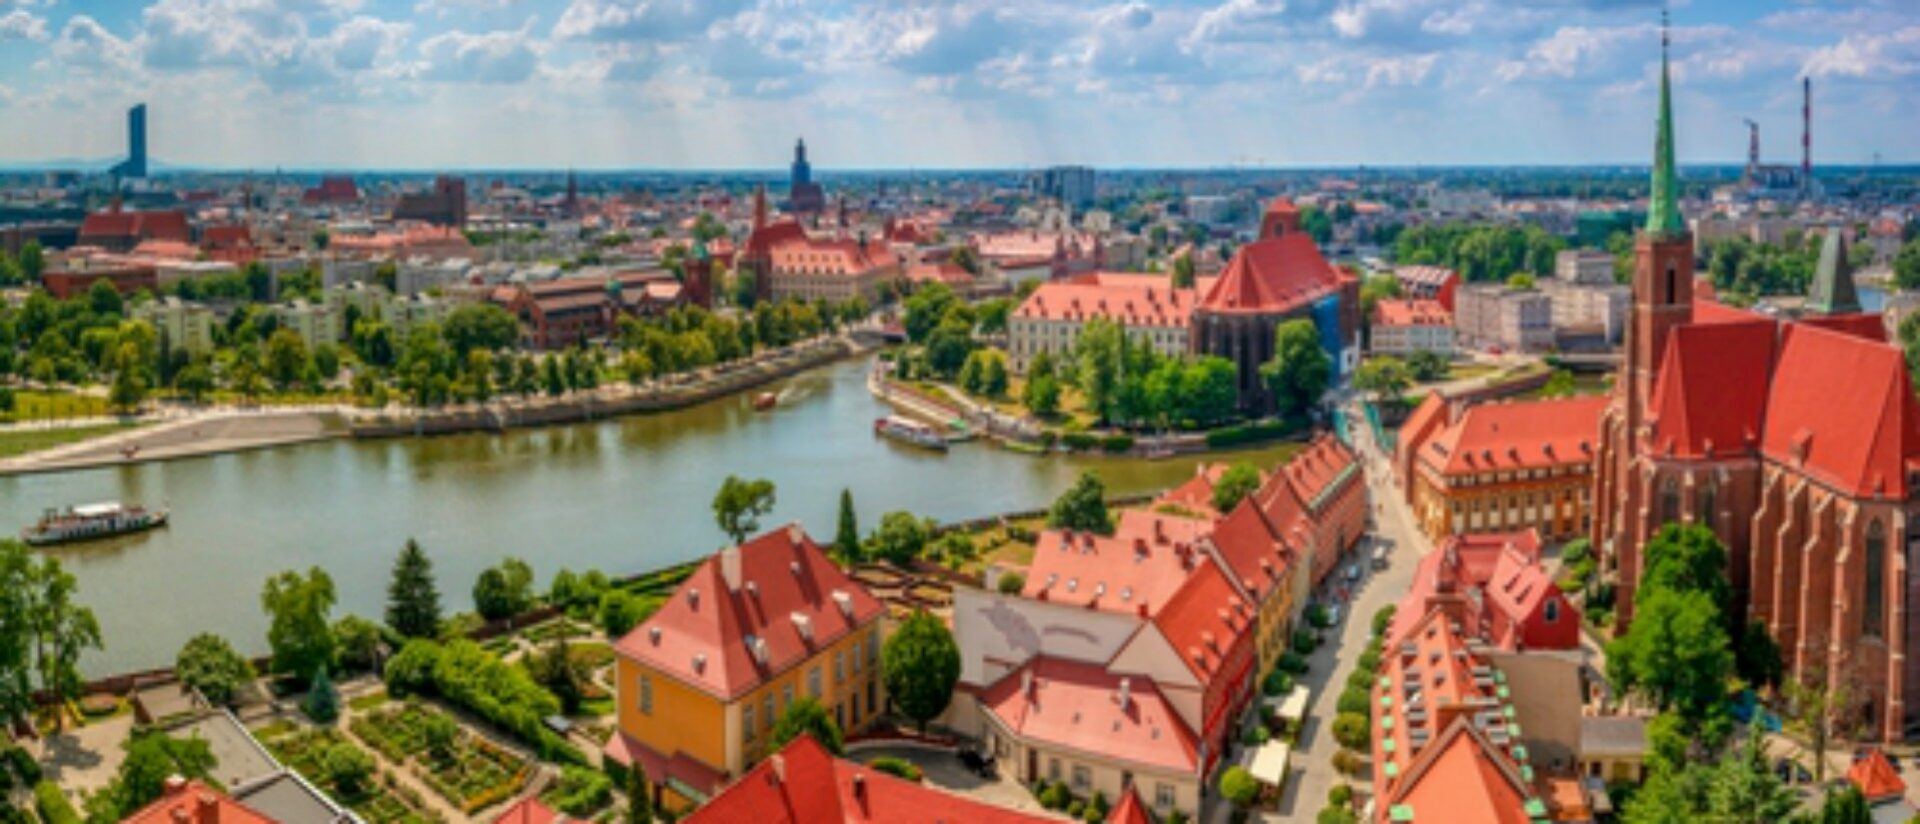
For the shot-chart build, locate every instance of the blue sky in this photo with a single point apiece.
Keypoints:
(961, 83)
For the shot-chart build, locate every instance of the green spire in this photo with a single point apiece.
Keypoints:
(1663, 208)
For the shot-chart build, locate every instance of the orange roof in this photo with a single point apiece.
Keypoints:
(841, 257)
(528, 810)
(1130, 810)
(1460, 563)
(1196, 493)
(1317, 468)
(1249, 548)
(1464, 778)
(1077, 705)
(1844, 407)
(803, 784)
(751, 612)
(1274, 275)
(1517, 435)
(194, 802)
(1204, 620)
(1411, 313)
(1135, 571)
(1153, 303)
(1712, 387)
(1875, 777)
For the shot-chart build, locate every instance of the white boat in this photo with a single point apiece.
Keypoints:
(910, 431)
(87, 522)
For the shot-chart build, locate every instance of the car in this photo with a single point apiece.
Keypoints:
(1333, 615)
(976, 762)
(1353, 573)
(1380, 555)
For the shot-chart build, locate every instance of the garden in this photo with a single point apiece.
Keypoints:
(465, 769)
(347, 773)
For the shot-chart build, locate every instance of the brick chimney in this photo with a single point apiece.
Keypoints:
(730, 568)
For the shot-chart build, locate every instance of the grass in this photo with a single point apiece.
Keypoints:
(1462, 371)
(39, 405)
(369, 701)
(381, 801)
(17, 442)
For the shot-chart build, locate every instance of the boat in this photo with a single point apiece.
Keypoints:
(765, 401)
(90, 522)
(910, 431)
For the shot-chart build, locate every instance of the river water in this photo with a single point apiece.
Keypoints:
(623, 496)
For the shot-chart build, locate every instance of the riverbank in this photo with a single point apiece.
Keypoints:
(162, 437)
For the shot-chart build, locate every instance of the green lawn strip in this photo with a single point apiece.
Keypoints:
(16, 442)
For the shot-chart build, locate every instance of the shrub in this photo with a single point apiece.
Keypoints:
(1076, 808)
(1304, 641)
(323, 701)
(1361, 678)
(501, 694)
(1276, 683)
(1335, 815)
(1245, 433)
(1382, 619)
(1011, 583)
(1347, 762)
(1117, 443)
(1353, 701)
(1352, 730)
(1340, 795)
(53, 805)
(1079, 441)
(1256, 735)
(1239, 787)
(1368, 663)
(1055, 796)
(21, 765)
(896, 767)
(1318, 617)
(581, 791)
(349, 768)
(1293, 663)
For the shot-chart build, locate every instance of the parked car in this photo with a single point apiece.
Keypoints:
(1333, 615)
(978, 763)
(1380, 555)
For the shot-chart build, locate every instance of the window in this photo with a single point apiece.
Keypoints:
(1706, 503)
(786, 696)
(873, 648)
(766, 710)
(1873, 611)
(813, 682)
(1552, 610)
(1082, 778)
(746, 723)
(646, 693)
(1163, 795)
(839, 666)
(1053, 769)
(856, 656)
(1669, 500)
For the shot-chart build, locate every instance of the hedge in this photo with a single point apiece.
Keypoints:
(1079, 441)
(1117, 443)
(466, 675)
(53, 805)
(1247, 433)
(896, 767)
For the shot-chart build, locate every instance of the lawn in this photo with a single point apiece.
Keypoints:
(16, 442)
(1004, 546)
(38, 405)
(381, 801)
(473, 775)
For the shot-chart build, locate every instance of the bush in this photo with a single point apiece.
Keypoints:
(1117, 443)
(1055, 796)
(1361, 678)
(1256, 735)
(1079, 441)
(1245, 433)
(349, 768)
(53, 805)
(896, 767)
(581, 792)
(1076, 808)
(501, 694)
(323, 701)
(1340, 795)
(1382, 620)
(1353, 700)
(1276, 683)
(1305, 642)
(1318, 617)
(1335, 815)
(1293, 663)
(1352, 730)
(1348, 763)
(1239, 787)
(1011, 583)
(21, 764)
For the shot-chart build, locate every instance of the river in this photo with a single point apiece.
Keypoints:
(623, 496)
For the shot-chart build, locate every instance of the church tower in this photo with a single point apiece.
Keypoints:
(1663, 264)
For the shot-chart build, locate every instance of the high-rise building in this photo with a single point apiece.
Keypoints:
(136, 163)
(1071, 185)
(805, 195)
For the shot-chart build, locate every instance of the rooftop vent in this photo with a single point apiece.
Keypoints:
(758, 647)
(693, 597)
(653, 635)
(699, 662)
(845, 600)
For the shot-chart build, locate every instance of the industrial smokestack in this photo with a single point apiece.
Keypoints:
(1806, 133)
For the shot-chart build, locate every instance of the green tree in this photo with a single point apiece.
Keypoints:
(1238, 787)
(1845, 806)
(846, 538)
(103, 299)
(32, 261)
(1906, 265)
(210, 665)
(413, 599)
(323, 701)
(900, 538)
(1183, 271)
(1300, 369)
(1675, 653)
(1352, 730)
(152, 757)
(350, 769)
(1239, 481)
(59, 629)
(356, 642)
(16, 636)
(639, 795)
(1083, 507)
(479, 326)
(561, 673)
(299, 630)
(1427, 365)
(620, 611)
(1559, 385)
(1386, 377)
(1041, 394)
(504, 591)
(738, 505)
(1098, 356)
(920, 664)
(805, 716)
(287, 358)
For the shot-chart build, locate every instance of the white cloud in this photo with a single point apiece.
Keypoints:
(1881, 55)
(507, 56)
(84, 43)
(19, 25)
(642, 19)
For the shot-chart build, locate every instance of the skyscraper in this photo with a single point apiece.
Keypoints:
(136, 163)
(805, 195)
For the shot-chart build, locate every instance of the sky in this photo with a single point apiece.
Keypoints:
(730, 84)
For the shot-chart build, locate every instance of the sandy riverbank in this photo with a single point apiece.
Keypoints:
(208, 433)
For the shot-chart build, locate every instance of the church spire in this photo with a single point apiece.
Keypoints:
(1663, 208)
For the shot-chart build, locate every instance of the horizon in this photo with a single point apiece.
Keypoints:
(726, 86)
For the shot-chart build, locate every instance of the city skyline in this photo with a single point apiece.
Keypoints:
(599, 84)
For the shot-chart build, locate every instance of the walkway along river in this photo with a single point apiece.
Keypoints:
(622, 495)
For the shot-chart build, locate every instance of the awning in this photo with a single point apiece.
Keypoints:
(1292, 707)
(1268, 762)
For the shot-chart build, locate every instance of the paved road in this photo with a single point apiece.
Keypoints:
(1313, 774)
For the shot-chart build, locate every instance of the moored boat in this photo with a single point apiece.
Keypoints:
(765, 401)
(910, 431)
(89, 522)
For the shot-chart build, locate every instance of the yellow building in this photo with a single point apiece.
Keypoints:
(702, 682)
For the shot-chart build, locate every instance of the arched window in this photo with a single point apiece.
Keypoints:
(1552, 610)
(1669, 500)
(1673, 285)
(1706, 503)
(1873, 607)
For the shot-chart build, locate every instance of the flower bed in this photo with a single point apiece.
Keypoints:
(475, 775)
(382, 801)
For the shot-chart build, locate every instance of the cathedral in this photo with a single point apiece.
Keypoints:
(1797, 441)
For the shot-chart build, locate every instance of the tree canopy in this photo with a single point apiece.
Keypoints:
(209, 664)
(920, 664)
(1083, 507)
(1300, 370)
(805, 716)
(738, 505)
(1239, 481)
(504, 590)
(413, 599)
(299, 629)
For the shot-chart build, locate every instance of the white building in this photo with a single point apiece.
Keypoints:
(316, 323)
(180, 325)
(1403, 327)
(1147, 307)
(1488, 315)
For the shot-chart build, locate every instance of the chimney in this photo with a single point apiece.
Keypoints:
(1126, 693)
(1026, 683)
(175, 785)
(779, 771)
(730, 568)
(207, 809)
(1806, 133)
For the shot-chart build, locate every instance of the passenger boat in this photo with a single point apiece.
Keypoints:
(90, 522)
(910, 431)
(765, 401)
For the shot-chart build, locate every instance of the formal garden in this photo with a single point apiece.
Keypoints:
(467, 770)
(340, 768)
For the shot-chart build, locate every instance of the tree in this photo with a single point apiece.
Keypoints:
(16, 636)
(152, 757)
(103, 299)
(1427, 365)
(1819, 713)
(210, 665)
(1906, 265)
(504, 591)
(58, 628)
(413, 600)
(1098, 362)
(32, 261)
(1845, 806)
(1352, 730)
(920, 664)
(479, 326)
(620, 611)
(1300, 369)
(1041, 394)
(1183, 271)
(738, 505)
(1559, 385)
(323, 701)
(298, 630)
(805, 716)
(441, 734)
(846, 538)
(1083, 507)
(195, 381)
(349, 768)
(558, 671)
(287, 357)
(1235, 484)
(639, 795)
(356, 643)
(1386, 377)
(1675, 653)
(1238, 787)
(900, 538)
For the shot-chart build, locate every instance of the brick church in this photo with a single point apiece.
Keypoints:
(1796, 440)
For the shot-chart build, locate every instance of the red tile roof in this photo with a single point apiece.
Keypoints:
(1876, 778)
(1132, 304)
(1843, 409)
(1463, 777)
(803, 784)
(1859, 324)
(751, 612)
(1136, 571)
(838, 257)
(1517, 435)
(194, 802)
(1712, 387)
(1411, 313)
(1249, 548)
(528, 810)
(1196, 493)
(168, 225)
(1077, 706)
(1204, 619)
(1323, 464)
(1274, 275)
(1130, 810)
(762, 240)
